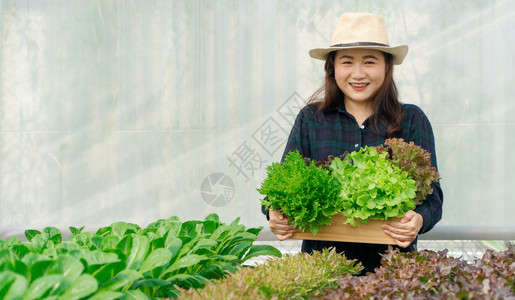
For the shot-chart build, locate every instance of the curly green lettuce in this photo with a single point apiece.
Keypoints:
(308, 195)
(372, 187)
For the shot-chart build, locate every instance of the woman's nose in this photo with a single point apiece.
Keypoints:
(358, 71)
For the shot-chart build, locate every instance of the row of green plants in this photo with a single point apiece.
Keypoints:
(373, 183)
(125, 261)
(423, 274)
(298, 276)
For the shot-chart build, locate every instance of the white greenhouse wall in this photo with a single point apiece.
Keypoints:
(123, 110)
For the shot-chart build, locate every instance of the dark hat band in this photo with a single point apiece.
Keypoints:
(357, 44)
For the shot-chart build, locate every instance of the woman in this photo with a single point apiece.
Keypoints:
(358, 106)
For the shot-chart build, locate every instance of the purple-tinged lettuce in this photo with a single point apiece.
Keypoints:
(414, 160)
(427, 274)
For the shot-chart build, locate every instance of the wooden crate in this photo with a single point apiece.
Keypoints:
(371, 233)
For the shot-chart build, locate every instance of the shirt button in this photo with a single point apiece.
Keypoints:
(356, 145)
(362, 126)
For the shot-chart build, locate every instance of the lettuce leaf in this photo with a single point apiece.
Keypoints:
(415, 161)
(308, 195)
(372, 187)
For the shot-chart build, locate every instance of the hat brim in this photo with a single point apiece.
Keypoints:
(398, 52)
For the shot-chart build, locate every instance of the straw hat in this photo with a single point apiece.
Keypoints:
(361, 30)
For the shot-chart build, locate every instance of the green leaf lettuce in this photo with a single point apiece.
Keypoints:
(372, 187)
(308, 195)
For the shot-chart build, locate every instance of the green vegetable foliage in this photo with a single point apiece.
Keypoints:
(124, 261)
(378, 183)
(372, 187)
(307, 194)
(299, 276)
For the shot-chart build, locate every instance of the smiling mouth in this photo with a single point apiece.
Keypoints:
(359, 84)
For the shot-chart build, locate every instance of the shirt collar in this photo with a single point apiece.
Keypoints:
(340, 107)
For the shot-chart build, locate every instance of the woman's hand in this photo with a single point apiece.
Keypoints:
(280, 225)
(406, 230)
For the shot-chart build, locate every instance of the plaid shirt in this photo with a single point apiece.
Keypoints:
(318, 135)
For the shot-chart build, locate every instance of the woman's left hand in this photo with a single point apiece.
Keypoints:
(405, 231)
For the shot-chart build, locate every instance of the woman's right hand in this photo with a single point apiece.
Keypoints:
(280, 225)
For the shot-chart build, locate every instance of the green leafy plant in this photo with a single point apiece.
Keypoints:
(415, 161)
(298, 276)
(372, 187)
(374, 183)
(125, 261)
(308, 195)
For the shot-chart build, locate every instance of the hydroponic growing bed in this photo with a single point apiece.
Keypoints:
(204, 260)
(125, 261)
(421, 274)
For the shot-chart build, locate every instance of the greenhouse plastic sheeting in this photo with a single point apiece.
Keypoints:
(140, 110)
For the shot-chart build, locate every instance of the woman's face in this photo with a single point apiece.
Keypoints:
(359, 73)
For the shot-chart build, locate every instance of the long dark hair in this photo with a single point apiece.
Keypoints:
(386, 118)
